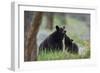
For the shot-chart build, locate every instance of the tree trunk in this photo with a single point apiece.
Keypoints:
(49, 20)
(32, 44)
(28, 15)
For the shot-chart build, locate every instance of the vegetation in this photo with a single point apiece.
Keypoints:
(59, 55)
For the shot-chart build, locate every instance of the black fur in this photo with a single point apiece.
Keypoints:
(54, 41)
(70, 46)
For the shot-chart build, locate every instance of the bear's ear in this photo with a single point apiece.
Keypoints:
(57, 27)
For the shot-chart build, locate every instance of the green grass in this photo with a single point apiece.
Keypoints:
(60, 55)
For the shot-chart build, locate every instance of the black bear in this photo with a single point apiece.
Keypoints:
(70, 45)
(54, 41)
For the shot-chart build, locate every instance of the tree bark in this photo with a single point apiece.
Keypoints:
(49, 20)
(31, 50)
(28, 15)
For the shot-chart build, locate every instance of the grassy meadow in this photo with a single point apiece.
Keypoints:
(59, 55)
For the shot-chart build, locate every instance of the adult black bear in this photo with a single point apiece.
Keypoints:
(54, 41)
(70, 46)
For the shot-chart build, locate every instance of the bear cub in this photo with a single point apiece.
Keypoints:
(70, 45)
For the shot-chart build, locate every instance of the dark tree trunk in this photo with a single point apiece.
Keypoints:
(28, 15)
(49, 20)
(31, 48)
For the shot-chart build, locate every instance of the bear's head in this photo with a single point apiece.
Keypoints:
(71, 42)
(68, 41)
(60, 32)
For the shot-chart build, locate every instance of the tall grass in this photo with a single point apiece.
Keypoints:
(60, 55)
